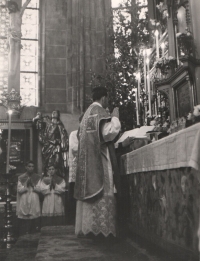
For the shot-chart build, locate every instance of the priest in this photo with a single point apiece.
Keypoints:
(96, 162)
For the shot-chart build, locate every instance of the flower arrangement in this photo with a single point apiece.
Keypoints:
(188, 34)
(185, 43)
(177, 125)
(154, 76)
(165, 63)
(163, 10)
(196, 111)
(193, 116)
(154, 22)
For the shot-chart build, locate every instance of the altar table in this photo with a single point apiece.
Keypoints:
(162, 181)
(181, 149)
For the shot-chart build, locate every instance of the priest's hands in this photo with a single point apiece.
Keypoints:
(115, 112)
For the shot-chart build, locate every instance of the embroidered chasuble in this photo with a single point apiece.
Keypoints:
(89, 180)
(94, 188)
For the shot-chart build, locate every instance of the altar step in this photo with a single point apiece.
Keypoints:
(60, 244)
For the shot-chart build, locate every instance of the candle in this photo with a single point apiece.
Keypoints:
(145, 72)
(163, 49)
(149, 88)
(177, 55)
(157, 45)
(8, 143)
(156, 109)
(158, 95)
(136, 100)
(139, 90)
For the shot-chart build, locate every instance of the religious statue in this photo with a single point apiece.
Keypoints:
(54, 139)
(14, 33)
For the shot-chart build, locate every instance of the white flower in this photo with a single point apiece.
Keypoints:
(171, 58)
(196, 111)
(178, 34)
(153, 21)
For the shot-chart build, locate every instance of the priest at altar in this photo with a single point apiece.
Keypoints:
(94, 186)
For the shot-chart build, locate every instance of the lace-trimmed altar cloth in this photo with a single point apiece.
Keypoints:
(181, 149)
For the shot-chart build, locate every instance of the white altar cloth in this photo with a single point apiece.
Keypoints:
(181, 149)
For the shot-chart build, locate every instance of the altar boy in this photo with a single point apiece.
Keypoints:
(28, 202)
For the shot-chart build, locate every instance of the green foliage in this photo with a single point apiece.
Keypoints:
(119, 77)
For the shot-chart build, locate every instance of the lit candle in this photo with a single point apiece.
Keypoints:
(145, 72)
(9, 138)
(163, 49)
(157, 45)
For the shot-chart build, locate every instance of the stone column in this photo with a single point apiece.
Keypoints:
(75, 37)
(53, 64)
(89, 24)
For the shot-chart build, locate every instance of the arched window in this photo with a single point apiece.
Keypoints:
(29, 52)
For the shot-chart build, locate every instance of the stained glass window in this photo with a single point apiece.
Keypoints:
(29, 54)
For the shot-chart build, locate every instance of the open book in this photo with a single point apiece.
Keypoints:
(129, 136)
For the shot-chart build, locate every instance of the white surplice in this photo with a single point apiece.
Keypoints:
(73, 150)
(100, 216)
(28, 202)
(53, 203)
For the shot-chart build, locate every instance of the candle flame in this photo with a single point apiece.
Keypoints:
(10, 112)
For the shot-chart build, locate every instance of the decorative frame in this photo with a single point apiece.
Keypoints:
(183, 91)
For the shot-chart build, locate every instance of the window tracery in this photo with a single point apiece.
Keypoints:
(29, 52)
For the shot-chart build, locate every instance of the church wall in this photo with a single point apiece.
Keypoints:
(55, 56)
(75, 40)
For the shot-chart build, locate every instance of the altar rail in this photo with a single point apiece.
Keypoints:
(163, 192)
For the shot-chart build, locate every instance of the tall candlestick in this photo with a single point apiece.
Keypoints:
(157, 44)
(136, 100)
(149, 87)
(139, 92)
(177, 54)
(145, 72)
(156, 109)
(158, 100)
(9, 138)
(139, 79)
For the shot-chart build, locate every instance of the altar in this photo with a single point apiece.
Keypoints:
(163, 191)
